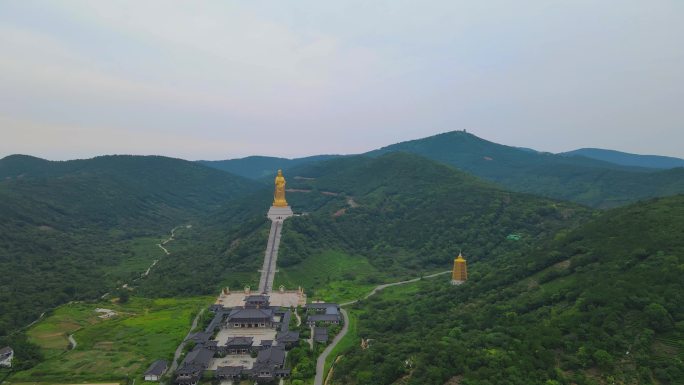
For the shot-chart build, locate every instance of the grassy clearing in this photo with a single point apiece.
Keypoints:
(331, 275)
(112, 349)
(143, 252)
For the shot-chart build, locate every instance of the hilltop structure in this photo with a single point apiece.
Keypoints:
(280, 210)
(459, 274)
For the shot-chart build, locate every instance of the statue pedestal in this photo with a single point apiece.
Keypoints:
(279, 213)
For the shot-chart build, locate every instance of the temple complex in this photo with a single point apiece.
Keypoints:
(459, 274)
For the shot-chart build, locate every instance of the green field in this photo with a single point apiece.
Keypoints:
(143, 251)
(109, 349)
(332, 276)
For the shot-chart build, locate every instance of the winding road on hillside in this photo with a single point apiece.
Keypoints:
(320, 363)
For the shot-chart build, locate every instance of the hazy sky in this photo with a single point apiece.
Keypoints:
(225, 79)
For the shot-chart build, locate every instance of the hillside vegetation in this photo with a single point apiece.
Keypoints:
(409, 215)
(583, 180)
(600, 304)
(76, 229)
(627, 159)
(368, 220)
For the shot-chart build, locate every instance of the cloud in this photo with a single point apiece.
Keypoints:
(312, 77)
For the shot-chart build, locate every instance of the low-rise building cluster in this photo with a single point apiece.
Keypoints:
(247, 348)
(247, 342)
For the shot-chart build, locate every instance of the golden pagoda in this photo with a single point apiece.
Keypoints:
(460, 272)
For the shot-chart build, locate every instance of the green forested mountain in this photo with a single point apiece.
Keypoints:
(556, 289)
(597, 178)
(588, 181)
(413, 213)
(627, 159)
(72, 230)
(600, 304)
(258, 167)
(400, 213)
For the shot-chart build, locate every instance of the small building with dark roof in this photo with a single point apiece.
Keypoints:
(6, 356)
(256, 301)
(156, 370)
(328, 313)
(193, 366)
(250, 318)
(269, 365)
(229, 372)
(239, 345)
(329, 319)
(199, 337)
(287, 339)
(321, 307)
(320, 335)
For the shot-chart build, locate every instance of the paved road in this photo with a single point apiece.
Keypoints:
(179, 350)
(320, 363)
(386, 285)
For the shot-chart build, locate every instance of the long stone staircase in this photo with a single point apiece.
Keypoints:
(271, 257)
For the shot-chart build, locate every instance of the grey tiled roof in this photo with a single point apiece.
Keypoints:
(287, 337)
(157, 368)
(272, 355)
(320, 305)
(320, 334)
(229, 371)
(240, 314)
(323, 317)
(240, 341)
(199, 356)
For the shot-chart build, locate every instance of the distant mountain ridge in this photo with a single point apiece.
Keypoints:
(257, 167)
(627, 159)
(593, 182)
(583, 180)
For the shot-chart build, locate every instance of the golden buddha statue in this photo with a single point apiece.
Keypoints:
(279, 194)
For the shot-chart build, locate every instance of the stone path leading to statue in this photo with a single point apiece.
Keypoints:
(320, 362)
(270, 258)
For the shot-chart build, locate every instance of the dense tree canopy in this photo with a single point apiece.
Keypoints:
(600, 303)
